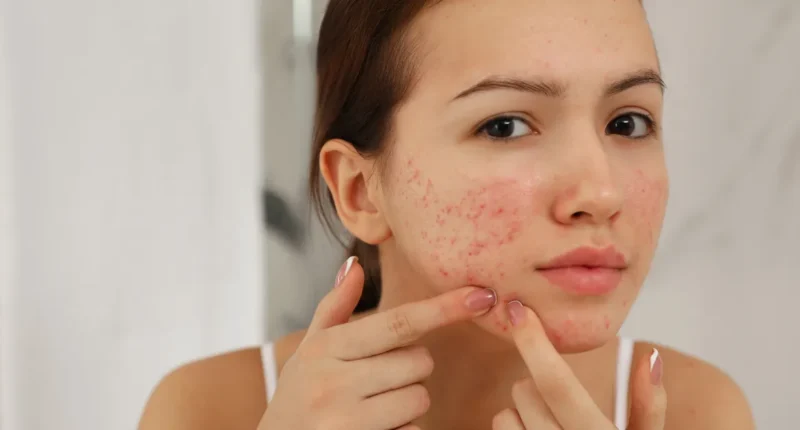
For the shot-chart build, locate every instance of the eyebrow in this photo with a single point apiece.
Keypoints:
(555, 89)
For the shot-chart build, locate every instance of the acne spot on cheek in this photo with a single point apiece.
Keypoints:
(647, 197)
(470, 226)
(607, 322)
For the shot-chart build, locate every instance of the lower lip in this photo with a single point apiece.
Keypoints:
(584, 281)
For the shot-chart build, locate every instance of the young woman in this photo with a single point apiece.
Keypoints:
(501, 166)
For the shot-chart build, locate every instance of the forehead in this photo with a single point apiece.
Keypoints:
(573, 41)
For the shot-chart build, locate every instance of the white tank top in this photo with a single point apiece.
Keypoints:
(624, 359)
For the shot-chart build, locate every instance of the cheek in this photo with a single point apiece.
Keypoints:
(461, 228)
(647, 198)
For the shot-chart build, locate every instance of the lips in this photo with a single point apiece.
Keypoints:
(586, 271)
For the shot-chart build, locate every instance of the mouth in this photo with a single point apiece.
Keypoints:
(586, 271)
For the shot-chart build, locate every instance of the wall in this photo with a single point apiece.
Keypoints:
(136, 155)
(723, 285)
(300, 276)
(7, 243)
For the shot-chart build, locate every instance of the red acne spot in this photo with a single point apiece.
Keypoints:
(452, 241)
(444, 273)
(607, 322)
(476, 247)
(498, 211)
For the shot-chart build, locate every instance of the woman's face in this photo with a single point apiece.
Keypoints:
(531, 133)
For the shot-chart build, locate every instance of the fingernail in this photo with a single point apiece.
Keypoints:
(656, 368)
(516, 312)
(344, 270)
(481, 299)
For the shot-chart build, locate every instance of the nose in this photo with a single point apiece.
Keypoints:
(590, 195)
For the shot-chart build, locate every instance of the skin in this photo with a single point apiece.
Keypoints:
(451, 207)
(463, 209)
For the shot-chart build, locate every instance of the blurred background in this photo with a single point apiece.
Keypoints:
(153, 159)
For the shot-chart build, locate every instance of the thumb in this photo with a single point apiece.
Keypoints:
(338, 305)
(649, 400)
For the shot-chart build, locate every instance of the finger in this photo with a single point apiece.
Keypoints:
(531, 407)
(393, 370)
(402, 325)
(648, 399)
(507, 419)
(395, 408)
(338, 305)
(566, 397)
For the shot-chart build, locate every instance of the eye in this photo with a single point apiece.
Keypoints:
(632, 125)
(505, 128)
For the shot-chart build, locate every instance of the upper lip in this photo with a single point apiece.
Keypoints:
(608, 258)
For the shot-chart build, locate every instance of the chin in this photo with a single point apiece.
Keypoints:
(570, 330)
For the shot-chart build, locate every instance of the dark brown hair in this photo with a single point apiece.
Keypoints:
(365, 59)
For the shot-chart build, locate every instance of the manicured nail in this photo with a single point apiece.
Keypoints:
(516, 312)
(344, 270)
(481, 299)
(656, 368)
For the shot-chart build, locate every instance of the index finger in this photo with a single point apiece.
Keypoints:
(404, 324)
(568, 400)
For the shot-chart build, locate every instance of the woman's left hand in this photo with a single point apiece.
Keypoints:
(553, 398)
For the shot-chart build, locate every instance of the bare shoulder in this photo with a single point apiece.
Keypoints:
(700, 395)
(223, 391)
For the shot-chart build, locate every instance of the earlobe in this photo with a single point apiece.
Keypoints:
(349, 177)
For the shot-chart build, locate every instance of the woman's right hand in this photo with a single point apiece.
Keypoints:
(363, 375)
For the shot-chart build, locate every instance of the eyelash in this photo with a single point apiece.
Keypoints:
(651, 123)
(481, 131)
(652, 126)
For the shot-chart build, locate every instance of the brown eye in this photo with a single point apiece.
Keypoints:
(632, 125)
(505, 128)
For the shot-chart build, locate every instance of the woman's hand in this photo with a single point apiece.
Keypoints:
(361, 375)
(553, 398)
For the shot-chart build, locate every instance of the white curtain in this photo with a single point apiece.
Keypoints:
(130, 166)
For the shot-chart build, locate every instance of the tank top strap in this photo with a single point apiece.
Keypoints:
(623, 375)
(270, 366)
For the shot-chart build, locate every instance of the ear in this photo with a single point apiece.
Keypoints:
(356, 193)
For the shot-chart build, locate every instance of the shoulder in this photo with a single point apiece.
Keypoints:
(700, 395)
(222, 391)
